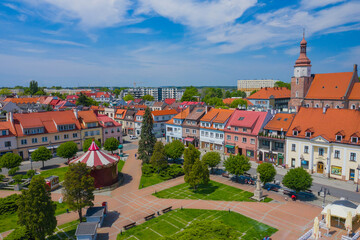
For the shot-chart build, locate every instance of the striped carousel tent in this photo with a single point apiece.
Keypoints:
(103, 166)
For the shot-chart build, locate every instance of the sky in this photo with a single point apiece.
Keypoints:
(172, 42)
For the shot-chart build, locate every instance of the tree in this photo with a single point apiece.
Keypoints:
(5, 92)
(297, 179)
(175, 149)
(237, 164)
(67, 150)
(238, 93)
(254, 91)
(10, 161)
(158, 159)
(41, 154)
(147, 138)
(88, 142)
(199, 174)
(237, 102)
(189, 94)
(111, 144)
(214, 101)
(128, 97)
(40, 92)
(85, 101)
(267, 172)
(211, 159)
(78, 188)
(227, 94)
(33, 87)
(190, 155)
(36, 210)
(148, 98)
(283, 84)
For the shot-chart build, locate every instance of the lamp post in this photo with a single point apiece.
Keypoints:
(323, 192)
(357, 182)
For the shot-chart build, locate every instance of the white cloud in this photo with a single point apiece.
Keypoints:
(310, 4)
(195, 13)
(139, 30)
(61, 42)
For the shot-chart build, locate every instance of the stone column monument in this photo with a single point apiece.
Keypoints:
(258, 194)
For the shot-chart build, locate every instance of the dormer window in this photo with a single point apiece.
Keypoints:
(354, 139)
(308, 134)
(295, 133)
(338, 138)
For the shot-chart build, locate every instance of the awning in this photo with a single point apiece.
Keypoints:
(48, 147)
(188, 139)
(229, 146)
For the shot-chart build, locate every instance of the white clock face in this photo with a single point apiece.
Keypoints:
(302, 71)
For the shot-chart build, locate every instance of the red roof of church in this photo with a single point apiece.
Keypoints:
(355, 92)
(329, 85)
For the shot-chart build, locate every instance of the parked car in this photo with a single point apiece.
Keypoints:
(271, 186)
(133, 137)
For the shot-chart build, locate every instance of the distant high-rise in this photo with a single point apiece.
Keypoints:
(248, 86)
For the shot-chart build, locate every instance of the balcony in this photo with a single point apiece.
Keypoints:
(263, 135)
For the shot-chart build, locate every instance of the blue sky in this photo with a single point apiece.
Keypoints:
(171, 42)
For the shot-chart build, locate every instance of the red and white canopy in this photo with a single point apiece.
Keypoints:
(95, 158)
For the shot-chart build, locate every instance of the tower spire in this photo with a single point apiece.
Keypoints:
(303, 60)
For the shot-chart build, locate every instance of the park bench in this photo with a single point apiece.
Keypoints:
(151, 216)
(168, 209)
(126, 227)
(287, 192)
(225, 175)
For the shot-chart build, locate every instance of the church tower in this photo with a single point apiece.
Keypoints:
(301, 81)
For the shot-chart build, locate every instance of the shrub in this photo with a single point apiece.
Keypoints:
(18, 178)
(8, 204)
(13, 171)
(175, 170)
(19, 234)
(2, 177)
(30, 173)
(147, 170)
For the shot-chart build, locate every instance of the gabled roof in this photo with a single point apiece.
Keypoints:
(164, 112)
(169, 100)
(217, 115)
(355, 92)
(329, 85)
(119, 112)
(182, 114)
(103, 119)
(140, 113)
(276, 92)
(327, 124)
(23, 100)
(280, 121)
(196, 113)
(246, 119)
(7, 126)
(87, 116)
(158, 104)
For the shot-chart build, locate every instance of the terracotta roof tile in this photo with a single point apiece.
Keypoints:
(22, 100)
(164, 112)
(182, 114)
(87, 116)
(329, 85)
(280, 121)
(355, 92)
(246, 119)
(105, 119)
(217, 115)
(277, 92)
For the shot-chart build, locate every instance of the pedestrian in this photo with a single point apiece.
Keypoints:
(293, 197)
(135, 155)
(67, 210)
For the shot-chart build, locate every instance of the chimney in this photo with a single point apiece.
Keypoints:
(9, 117)
(355, 68)
(76, 113)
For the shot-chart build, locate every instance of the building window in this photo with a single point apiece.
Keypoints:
(297, 94)
(221, 135)
(338, 138)
(57, 138)
(293, 147)
(228, 137)
(295, 133)
(44, 139)
(266, 143)
(316, 105)
(293, 162)
(3, 133)
(354, 139)
(23, 141)
(236, 128)
(187, 130)
(297, 81)
(66, 136)
(337, 154)
(353, 157)
(202, 133)
(217, 135)
(7, 144)
(337, 106)
(34, 140)
(252, 141)
(206, 134)
(244, 129)
(244, 140)
(353, 106)
(308, 134)
(211, 134)
(321, 152)
(75, 135)
(236, 138)
(306, 149)
(194, 131)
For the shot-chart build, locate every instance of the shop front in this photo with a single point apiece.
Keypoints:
(230, 149)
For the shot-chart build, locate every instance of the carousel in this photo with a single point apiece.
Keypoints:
(103, 166)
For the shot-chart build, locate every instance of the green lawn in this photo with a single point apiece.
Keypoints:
(9, 221)
(212, 191)
(120, 165)
(60, 172)
(65, 231)
(173, 222)
(148, 181)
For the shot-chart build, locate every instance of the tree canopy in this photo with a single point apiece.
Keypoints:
(190, 155)
(41, 154)
(211, 159)
(297, 179)
(148, 98)
(189, 94)
(237, 164)
(254, 91)
(78, 187)
(111, 144)
(158, 159)
(199, 174)
(85, 101)
(33, 87)
(267, 172)
(88, 142)
(67, 150)
(237, 102)
(238, 93)
(147, 138)
(36, 210)
(128, 97)
(5, 92)
(175, 149)
(10, 161)
(214, 101)
(282, 84)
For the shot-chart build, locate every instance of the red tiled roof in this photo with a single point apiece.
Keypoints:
(329, 85)
(217, 115)
(246, 119)
(280, 122)
(140, 113)
(119, 112)
(87, 116)
(105, 119)
(327, 124)
(355, 92)
(169, 100)
(22, 100)
(7, 126)
(164, 112)
(72, 97)
(277, 92)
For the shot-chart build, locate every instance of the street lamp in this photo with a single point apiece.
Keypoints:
(323, 192)
(357, 182)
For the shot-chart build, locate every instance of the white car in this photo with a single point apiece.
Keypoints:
(133, 137)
